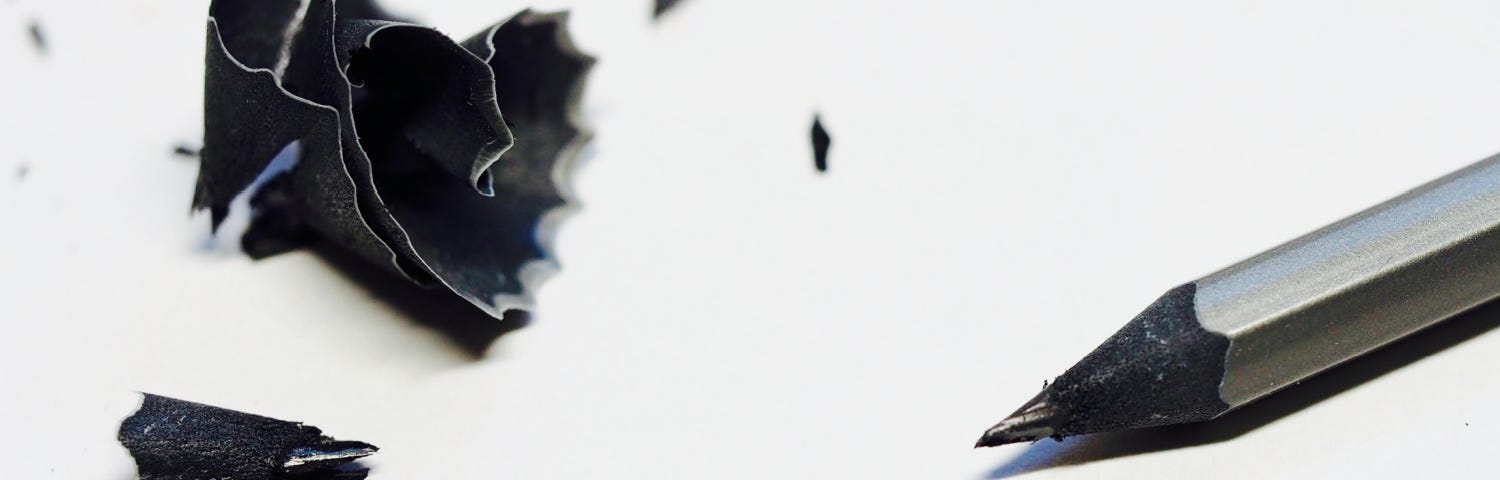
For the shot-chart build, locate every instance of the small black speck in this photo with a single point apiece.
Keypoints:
(185, 150)
(1044, 384)
(38, 37)
(662, 6)
(820, 143)
(1466, 424)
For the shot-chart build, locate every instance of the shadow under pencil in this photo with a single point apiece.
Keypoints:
(469, 329)
(1103, 446)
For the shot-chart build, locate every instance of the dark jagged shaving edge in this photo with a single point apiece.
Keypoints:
(178, 440)
(405, 155)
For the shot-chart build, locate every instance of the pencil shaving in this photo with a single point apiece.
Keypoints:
(443, 162)
(173, 439)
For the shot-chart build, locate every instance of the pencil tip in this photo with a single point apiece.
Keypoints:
(1035, 420)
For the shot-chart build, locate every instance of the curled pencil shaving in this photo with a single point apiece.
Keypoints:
(406, 158)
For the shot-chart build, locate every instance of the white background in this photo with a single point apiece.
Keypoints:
(1011, 181)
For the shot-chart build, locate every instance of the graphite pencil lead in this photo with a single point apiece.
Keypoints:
(1035, 420)
(1162, 368)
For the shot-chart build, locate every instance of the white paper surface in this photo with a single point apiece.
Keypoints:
(1010, 181)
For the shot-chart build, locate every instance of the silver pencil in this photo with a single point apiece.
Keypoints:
(1244, 332)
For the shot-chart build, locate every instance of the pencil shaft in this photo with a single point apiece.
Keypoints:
(1243, 332)
(1357, 284)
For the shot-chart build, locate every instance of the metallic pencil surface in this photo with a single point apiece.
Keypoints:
(1358, 284)
(1297, 309)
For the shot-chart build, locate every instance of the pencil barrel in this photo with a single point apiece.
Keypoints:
(1358, 284)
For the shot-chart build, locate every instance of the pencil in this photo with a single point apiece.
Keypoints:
(1222, 341)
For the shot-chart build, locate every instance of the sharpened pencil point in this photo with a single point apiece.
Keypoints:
(1035, 420)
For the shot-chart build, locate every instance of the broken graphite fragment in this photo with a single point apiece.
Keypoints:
(442, 162)
(173, 439)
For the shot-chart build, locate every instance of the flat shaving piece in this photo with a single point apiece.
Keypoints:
(177, 440)
(406, 158)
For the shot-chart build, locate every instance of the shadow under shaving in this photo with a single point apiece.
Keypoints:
(1091, 448)
(469, 329)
